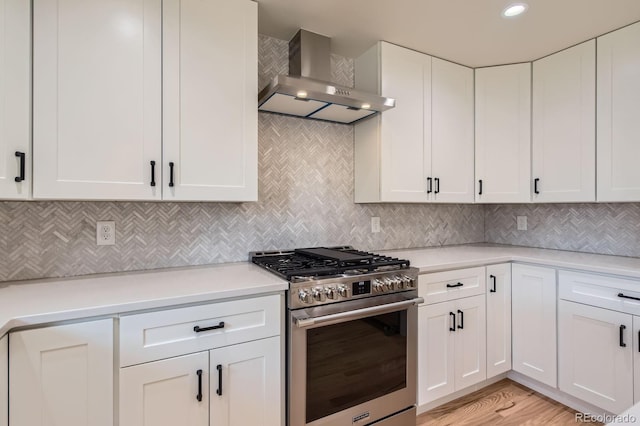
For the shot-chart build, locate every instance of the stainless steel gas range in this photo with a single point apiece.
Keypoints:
(352, 336)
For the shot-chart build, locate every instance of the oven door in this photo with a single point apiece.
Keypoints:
(353, 362)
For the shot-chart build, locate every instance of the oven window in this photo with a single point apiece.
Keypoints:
(355, 362)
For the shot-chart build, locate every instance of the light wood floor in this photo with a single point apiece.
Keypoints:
(503, 403)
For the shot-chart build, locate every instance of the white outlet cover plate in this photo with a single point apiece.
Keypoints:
(521, 222)
(106, 233)
(375, 224)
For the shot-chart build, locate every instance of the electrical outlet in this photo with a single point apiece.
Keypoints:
(106, 233)
(521, 222)
(375, 224)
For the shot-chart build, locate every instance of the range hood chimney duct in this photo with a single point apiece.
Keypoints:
(307, 91)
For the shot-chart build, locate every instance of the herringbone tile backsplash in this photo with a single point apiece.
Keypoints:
(306, 199)
(594, 228)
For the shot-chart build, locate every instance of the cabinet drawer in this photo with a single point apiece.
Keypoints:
(601, 291)
(449, 285)
(163, 334)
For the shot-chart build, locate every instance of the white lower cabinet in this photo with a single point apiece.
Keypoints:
(451, 347)
(595, 355)
(62, 375)
(498, 319)
(4, 381)
(169, 392)
(534, 322)
(636, 359)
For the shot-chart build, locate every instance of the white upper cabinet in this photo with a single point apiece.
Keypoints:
(210, 92)
(564, 148)
(618, 119)
(15, 89)
(503, 134)
(421, 150)
(97, 99)
(451, 132)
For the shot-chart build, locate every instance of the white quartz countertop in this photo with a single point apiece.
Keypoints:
(453, 257)
(42, 301)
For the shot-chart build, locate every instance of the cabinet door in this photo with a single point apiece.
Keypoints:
(636, 359)
(62, 375)
(15, 94)
(534, 322)
(246, 384)
(170, 392)
(564, 125)
(4, 381)
(498, 319)
(452, 149)
(436, 362)
(470, 342)
(406, 75)
(618, 124)
(595, 355)
(503, 134)
(96, 105)
(210, 95)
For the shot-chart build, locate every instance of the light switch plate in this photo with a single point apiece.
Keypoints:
(521, 221)
(375, 224)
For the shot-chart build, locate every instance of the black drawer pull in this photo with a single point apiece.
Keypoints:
(199, 329)
(480, 189)
(454, 285)
(493, 283)
(429, 185)
(21, 156)
(199, 395)
(628, 297)
(153, 173)
(461, 325)
(437, 190)
(453, 328)
(622, 343)
(535, 185)
(171, 173)
(219, 390)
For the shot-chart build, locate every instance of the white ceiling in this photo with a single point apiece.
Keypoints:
(470, 32)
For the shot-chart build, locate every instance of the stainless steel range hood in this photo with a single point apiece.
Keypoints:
(307, 91)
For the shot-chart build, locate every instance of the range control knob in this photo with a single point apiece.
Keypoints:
(343, 291)
(331, 292)
(305, 296)
(318, 294)
(400, 283)
(379, 286)
(408, 281)
(389, 284)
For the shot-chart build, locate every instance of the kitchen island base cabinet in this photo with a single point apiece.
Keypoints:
(595, 355)
(62, 375)
(4, 381)
(534, 322)
(451, 347)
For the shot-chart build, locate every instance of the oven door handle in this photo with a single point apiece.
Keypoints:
(358, 313)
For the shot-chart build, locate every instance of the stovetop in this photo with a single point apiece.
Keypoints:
(325, 262)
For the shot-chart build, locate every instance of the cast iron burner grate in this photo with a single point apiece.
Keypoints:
(325, 261)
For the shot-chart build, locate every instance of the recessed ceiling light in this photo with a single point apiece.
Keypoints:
(514, 9)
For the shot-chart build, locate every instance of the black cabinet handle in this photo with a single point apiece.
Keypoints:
(199, 395)
(429, 185)
(153, 173)
(622, 343)
(219, 390)
(493, 279)
(638, 341)
(437, 190)
(454, 285)
(453, 328)
(21, 156)
(199, 329)
(171, 173)
(535, 185)
(461, 325)
(628, 297)
(480, 189)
